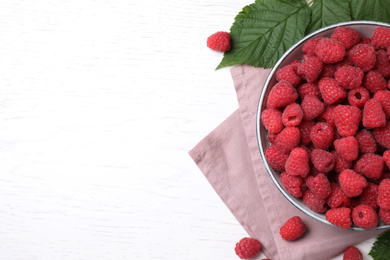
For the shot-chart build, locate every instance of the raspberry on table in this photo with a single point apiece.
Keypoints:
(373, 81)
(349, 77)
(365, 217)
(319, 185)
(292, 184)
(340, 164)
(370, 165)
(347, 119)
(352, 253)
(337, 197)
(381, 38)
(331, 91)
(219, 41)
(281, 95)
(347, 36)
(304, 129)
(340, 217)
(276, 157)
(272, 120)
(313, 202)
(373, 114)
(288, 139)
(292, 115)
(382, 64)
(363, 56)
(311, 107)
(310, 69)
(358, 97)
(366, 141)
(369, 196)
(247, 247)
(288, 73)
(321, 135)
(383, 96)
(347, 147)
(322, 160)
(310, 46)
(308, 89)
(382, 135)
(352, 183)
(329, 50)
(298, 162)
(384, 194)
(293, 229)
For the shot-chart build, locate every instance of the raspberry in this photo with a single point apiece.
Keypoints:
(373, 115)
(382, 135)
(272, 120)
(321, 135)
(347, 119)
(247, 247)
(327, 116)
(370, 165)
(304, 129)
(272, 137)
(322, 160)
(288, 139)
(340, 164)
(365, 217)
(328, 71)
(352, 253)
(298, 162)
(311, 107)
(329, 50)
(366, 141)
(363, 56)
(383, 96)
(340, 217)
(310, 46)
(310, 69)
(292, 115)
(288, 73)
(349, 77)
(313, 202)
(358, 97)
(352, 183)
(342, 63)
(386, 158)
(385, 215)
(292, 229)
(295, 63)
(374, 81)
(308, 89)
(347, 36)
(381, 38)
(292, 184)
(276, 157)
(281, 95)
(347, 147)
(219, 41)
(337, 197)
(382, 64)
(319, 185)
(331, 92)
(369, 196)
(365, 40)
(384, 194)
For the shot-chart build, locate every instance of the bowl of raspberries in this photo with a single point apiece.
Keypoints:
(324, 125)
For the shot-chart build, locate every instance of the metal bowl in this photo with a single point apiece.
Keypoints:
(366, 29)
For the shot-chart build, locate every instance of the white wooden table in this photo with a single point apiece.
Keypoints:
(100, 101)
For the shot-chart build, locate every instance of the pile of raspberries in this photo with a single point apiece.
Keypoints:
(328, 123)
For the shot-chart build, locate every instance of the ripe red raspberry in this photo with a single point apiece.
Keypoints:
(347, 147)
(310, 46)
(383, 96)
(347, 36)
(310, 69)
(272, 120)
(292, 115)
(384, 194)
(366, 141)
(352, 183)
(386, 157)
(327, 116)
(369, 196)
(308, 89)
(313, 202)
(282, 94)
(288, 73)
(304, 129)
(247, 247)
(276, 157)
(358, 97)
(340, 217)
(328, 71)
(352, 253)
(331, 91)
(365, 40)
(292, 229)
(347, 119)
(288, 139)
(319, 185)
(365, 217)
(373, 115)
(292, 184)
(329, 50)
(219, 41)
(340, 164)
(382, 64)
(342, 63)
(298, 162)
(381, 38)
(382, 135)
(349, 77)
(384, 215)
(374, 81)
(370, 165)
(311, 107)
(337, 197)
(322, 160)
(363, 56)
(321, 135)
(272, 137)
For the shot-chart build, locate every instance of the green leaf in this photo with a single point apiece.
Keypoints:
(381, 248)
(264, 30)
(328, 12)
(372, 10)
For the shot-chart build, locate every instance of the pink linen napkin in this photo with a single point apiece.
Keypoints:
(230, 160)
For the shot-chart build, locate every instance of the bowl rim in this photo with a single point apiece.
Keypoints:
(310, 213)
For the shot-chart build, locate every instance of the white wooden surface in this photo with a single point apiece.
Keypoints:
(100, 102)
